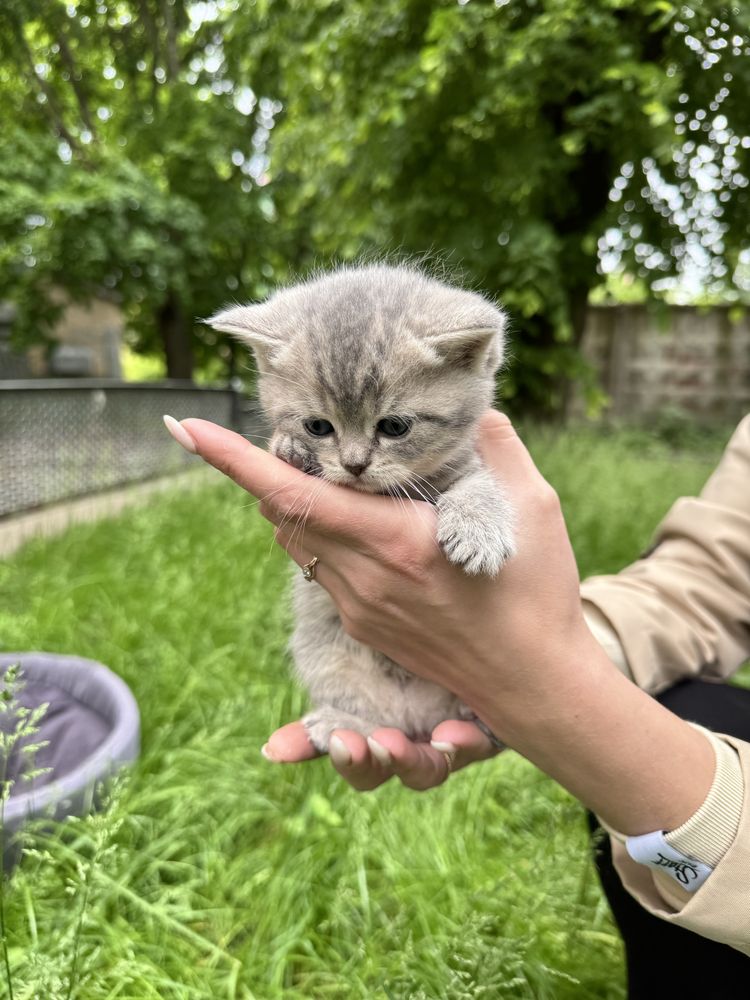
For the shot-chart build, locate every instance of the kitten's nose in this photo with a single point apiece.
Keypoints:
(355, 469)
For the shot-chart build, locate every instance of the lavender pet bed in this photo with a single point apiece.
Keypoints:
(92, 726)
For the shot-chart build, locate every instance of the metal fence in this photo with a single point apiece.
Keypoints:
(67, 438)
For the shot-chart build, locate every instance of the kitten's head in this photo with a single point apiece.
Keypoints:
(372, 376)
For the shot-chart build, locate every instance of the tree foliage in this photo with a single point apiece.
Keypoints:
(494, 131)
(131, 163)
(527, 143)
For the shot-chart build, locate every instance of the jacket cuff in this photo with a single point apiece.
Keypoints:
(710, 832)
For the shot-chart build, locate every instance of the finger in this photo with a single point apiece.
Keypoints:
(315, 568)
(287, 492)
(418, 765)
(464, 740)
(351, 757)
(289, 745)
(300, 548)
(255, 470)
(502, 449)
(305, 546)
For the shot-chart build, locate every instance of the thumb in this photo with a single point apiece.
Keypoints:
(502, 449)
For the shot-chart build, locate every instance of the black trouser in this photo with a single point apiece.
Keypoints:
(665, 961)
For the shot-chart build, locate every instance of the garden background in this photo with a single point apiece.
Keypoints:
(167, 156)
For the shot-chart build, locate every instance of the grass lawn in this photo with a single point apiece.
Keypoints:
(216, 874)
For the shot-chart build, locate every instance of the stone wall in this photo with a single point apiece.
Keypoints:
(695, 360)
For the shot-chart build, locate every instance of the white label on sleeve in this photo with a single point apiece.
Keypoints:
(652, 849)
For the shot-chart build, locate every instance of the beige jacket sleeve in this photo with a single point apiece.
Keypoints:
(684, 611)
(720, 909)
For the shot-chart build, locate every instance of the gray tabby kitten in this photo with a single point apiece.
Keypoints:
(374, 377)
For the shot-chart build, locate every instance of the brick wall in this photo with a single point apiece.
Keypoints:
(694, 359)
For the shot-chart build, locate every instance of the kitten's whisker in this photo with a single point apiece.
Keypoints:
(302, 522)
(432, 492)
(255, 437)
(292, 515)
(293, 512)
(393, 490)
(420, 510)
(268, 496)
(420, 496)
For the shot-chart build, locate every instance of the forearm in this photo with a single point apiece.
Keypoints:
(624, 756)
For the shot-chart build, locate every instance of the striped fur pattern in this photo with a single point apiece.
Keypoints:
(357, 354)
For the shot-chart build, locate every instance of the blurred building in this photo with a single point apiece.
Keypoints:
(88, 340)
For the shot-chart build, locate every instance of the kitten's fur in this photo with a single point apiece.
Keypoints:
(353, 347)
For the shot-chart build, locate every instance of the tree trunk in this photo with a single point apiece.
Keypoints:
(579, 304)
(175, 335)
(537, 387)
(546, 369)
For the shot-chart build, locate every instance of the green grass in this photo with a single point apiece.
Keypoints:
(215, 874)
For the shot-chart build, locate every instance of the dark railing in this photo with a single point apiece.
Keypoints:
(70, 437)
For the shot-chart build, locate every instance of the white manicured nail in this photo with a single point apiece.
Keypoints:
(179, 433)
(338, 752)
(442, 747)
(381, 753)
(267, 754)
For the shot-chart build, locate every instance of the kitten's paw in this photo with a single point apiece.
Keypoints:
(479, 545)
(323, 721)
(295, 452)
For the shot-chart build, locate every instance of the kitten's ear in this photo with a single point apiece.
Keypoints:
(477, 348)
(254, 327)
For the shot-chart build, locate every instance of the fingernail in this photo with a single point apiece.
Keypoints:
(381, 753)
(179, 433)
(338, 752)
(442, 747)
(265, 750)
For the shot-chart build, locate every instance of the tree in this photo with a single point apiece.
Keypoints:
(523, 141)
(494, 131)
(131, 162)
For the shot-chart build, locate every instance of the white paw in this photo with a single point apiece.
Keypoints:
(478, 546)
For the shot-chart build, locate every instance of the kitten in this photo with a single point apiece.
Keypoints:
(374, 377)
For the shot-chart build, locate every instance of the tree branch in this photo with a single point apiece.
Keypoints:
(153, 34)
(50, 105)
(75, 80)
(173, 62)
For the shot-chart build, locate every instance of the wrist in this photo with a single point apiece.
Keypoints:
(529, 699)
(689, 854)
(631, 761)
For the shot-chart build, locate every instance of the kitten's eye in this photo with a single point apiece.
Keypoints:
(318, 427)
(394, 427)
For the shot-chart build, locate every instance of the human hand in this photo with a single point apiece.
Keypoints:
(366, 764)
(496, 643)
(514, 648)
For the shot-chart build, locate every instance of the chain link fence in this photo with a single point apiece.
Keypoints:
(68, 438)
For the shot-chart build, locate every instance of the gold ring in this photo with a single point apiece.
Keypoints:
(449, 758)
(308, 570)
